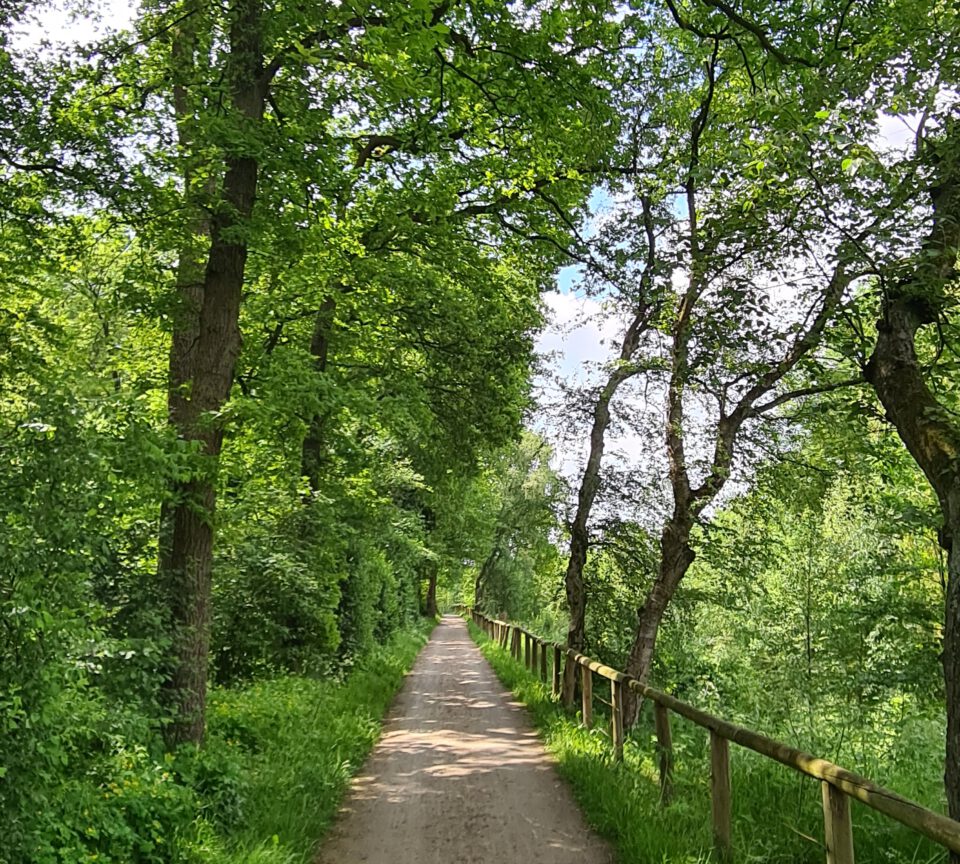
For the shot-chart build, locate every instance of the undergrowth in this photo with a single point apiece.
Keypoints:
(281, 753)
(776, 813)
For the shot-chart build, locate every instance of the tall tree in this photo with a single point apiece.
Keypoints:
(920, 293)
(732, 178)
(646, 304)
(205, 347)
(237, 82)
(898, 221)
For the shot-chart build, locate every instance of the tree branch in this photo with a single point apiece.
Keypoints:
(757, 31)
(806, 391)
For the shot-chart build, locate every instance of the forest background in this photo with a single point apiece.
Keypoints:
(272, 282)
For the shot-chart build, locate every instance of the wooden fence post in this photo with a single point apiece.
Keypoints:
(557, 660)
(837, 825)
(661, 718)
(534, 645)
(526, 650)
(720, 796)
(543, 661)
(616, 718)
(586, 689)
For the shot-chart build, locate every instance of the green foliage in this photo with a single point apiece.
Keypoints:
(274, 612)
(508, 542)
(777, 814)
(283, 753)
(812, 608)
(421, 173)
(79, 665)
(266, 784)
(361, 612)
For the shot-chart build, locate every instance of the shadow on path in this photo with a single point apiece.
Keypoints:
(459, 776)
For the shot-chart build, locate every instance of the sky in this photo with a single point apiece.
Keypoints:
(52, 22)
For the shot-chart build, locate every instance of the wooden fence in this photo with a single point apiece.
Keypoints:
(838, 785)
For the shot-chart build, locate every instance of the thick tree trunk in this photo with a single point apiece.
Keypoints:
(192, 512)
(430, 601)
(934, 442)
(950, 538)
(676, 556)
(202, 360)
(929, 431)
(188, 580)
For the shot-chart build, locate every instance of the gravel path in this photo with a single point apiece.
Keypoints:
(459, 776)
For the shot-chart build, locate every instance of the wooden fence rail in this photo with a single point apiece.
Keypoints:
(838, 784)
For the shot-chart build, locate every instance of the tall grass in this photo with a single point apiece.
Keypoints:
(776, 812)
(281, 754)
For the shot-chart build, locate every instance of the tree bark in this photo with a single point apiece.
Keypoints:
(580, 537)
(929, 431)
(689, 502)
(430, 601)
(934, 441)
(579, 527)
(483, 576)
(311, 454)
(950, 537)
(676, 556)
(205, 346)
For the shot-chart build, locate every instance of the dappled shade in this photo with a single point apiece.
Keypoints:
(459, 775)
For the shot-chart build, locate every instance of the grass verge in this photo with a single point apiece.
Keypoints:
(776, 817)
(281, 753)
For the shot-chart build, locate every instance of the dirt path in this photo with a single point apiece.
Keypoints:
(459, 776)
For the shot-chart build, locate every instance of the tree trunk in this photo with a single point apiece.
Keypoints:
(430, 603)
(203, 355)
(590, 482)
(934, 441)
(676, 556)
(311, 455)
(580, 537)
(950, 538)
(929, 431)
(479, 595)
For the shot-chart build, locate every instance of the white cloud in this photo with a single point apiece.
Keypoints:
(578, 335)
